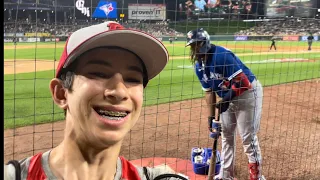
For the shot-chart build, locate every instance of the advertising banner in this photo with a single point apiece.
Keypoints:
(106, 9)
(304, 38)
(147, 11)
(6, 40)
(291, 38)
(240, 38)
(37, 34)
(29, 39)
(13, 34)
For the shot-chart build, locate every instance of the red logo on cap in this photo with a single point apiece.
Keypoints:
(114, 26)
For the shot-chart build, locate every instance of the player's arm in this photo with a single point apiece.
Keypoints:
(238, 85)
(210, 95)
(213, 126)
(237, 80)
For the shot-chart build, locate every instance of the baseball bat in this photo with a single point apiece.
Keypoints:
(212, 167)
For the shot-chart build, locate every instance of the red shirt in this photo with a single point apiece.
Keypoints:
(35, 171)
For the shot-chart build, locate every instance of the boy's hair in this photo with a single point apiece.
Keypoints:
(67, 78)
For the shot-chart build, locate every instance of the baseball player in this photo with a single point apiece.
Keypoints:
(170, 40)
(99, 83)
(310, 40)
(222, 73)
(273, 44)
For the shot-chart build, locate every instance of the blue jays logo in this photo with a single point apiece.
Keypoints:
(107, 8)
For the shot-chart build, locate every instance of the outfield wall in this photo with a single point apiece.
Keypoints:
(25, 37)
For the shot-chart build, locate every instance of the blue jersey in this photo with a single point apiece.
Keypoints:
(221, 65)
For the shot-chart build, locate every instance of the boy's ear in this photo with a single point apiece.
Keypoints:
(58, 93)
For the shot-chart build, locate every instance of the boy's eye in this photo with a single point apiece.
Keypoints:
(98, 74)
(132, 80)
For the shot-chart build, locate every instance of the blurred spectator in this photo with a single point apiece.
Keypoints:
(158, 29)
(189, 7)
(284, 27)
(213, 3)
(200, 4)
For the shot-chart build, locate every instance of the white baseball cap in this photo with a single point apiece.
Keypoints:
(148, 48)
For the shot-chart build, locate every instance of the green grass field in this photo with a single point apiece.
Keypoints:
(27, 100)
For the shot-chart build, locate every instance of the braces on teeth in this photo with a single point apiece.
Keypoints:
(112, 113)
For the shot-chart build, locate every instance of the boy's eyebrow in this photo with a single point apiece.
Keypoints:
(99, 62)
(135, 68)
(105, 63)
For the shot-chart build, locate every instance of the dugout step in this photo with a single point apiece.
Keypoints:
(200, 158)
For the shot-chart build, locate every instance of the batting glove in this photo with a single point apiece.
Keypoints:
(216, 130)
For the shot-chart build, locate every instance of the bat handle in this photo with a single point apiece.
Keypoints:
(212, 167)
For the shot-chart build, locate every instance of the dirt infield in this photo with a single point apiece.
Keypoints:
(31, 65)
(41, 46)
(256, 53)
(258, 48)
(23, 66)
(289, 133)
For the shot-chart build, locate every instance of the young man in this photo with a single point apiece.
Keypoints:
(99, 83)
(221, 72)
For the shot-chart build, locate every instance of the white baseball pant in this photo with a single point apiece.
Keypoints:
(244, 114)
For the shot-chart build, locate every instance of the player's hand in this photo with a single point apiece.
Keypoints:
(222, 106)
(216, 130)
(211, 119)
